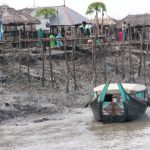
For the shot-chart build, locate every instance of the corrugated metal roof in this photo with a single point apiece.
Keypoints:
(67, 16)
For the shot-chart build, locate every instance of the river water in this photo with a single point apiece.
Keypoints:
(77, 130)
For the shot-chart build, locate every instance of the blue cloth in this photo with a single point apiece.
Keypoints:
(1, 29)
(1, 36)
(59, 42)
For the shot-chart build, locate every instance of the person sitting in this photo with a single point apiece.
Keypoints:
(87, 32)
(82, 28)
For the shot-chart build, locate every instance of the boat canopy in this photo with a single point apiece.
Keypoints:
(128, 87)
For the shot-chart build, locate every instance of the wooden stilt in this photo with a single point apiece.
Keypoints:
(105, 66)
(19, 54)
(51, 67)
(67, 65)
(122, 62)
(28, 44)
(141, 55)
(94, 63)
(43, 67)
(74, 67)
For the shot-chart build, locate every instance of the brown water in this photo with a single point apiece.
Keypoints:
(77, 130)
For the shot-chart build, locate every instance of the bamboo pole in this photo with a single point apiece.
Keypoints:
(141, 55)
(43, 67)
(131, 72)
(105, 69)
(94, 64)
(102, 22)
(3, 53)
(144, 69)
(51, 66)
(28, 44)
(122, 62)
(67, 65)
(74, 67)
(19, 54)
(116, 64)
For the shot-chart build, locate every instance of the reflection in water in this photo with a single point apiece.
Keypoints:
(77, 131)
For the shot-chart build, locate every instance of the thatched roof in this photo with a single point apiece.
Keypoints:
(106, 21)
(27, 10)
(65, 17)
(29, 19)
(12, 16)
(135, 20)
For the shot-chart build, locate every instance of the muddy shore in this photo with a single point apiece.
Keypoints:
(20, 98)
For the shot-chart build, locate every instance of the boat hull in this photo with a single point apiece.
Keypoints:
(131, 111)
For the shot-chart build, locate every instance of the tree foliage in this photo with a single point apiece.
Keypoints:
(46, 12)
(96, 7)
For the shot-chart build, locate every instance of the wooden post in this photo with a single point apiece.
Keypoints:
(94, 63)
(67, 65)
(51, 66)
(73, 63)
(102, 22)
(43, 67)
(144, 69)
(141, 55)
(105, 69)
(14, 35)
(28, 44)
(19, 54)
(116, 64)
(122, 62)
(97, 24)
(131, 72)
(116, 60)
(3, 53)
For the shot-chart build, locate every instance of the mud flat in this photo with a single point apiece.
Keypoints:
(21, 98)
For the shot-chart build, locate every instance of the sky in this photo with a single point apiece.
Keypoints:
(115, 8)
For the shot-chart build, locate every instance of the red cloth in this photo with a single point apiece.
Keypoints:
(120, 35)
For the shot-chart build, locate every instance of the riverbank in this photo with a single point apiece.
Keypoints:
(21, 98)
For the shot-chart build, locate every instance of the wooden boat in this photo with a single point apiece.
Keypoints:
(116, 102)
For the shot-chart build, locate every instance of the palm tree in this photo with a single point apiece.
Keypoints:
(97, 7)
(47, 13)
